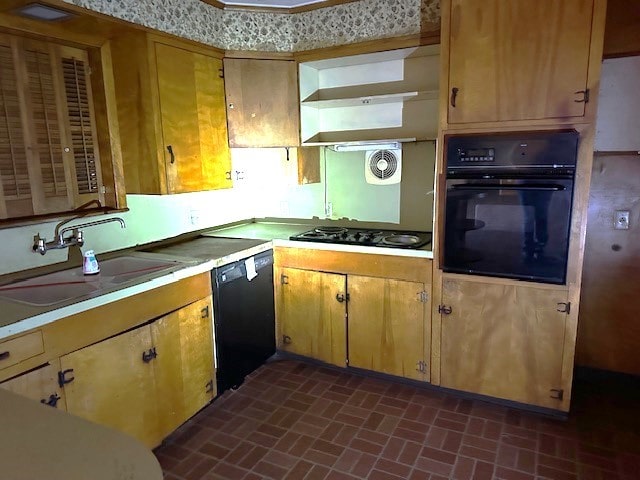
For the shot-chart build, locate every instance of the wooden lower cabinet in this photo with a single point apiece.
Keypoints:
(184, 370)
(504, 340)
(147, 381)
(39, 384)
(387, 325)
(311, 318)
(110, 384)
(356, 314)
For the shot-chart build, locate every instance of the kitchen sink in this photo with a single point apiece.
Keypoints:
(58, 287)
(123, 269)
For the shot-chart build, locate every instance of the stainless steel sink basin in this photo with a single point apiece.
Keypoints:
(58, 287)
(123, 269)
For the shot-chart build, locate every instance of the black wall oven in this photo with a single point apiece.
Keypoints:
(508, 204)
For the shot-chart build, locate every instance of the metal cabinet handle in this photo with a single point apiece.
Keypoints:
(204, 313)
(171, 154)
(340, 297)
(444, 309)
(585, 96)
(62, 377)
(5, 355)
(52, 401)
(454, 94)
(149, 355)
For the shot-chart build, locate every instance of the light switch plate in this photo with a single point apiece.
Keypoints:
(621, 221)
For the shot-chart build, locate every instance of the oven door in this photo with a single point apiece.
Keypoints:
(512, 228)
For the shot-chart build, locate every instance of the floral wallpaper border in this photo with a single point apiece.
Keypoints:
(278, 32)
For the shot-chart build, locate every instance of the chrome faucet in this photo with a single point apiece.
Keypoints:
(41, 245)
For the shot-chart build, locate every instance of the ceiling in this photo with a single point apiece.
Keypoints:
(270, 3)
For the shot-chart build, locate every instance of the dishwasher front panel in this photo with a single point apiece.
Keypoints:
(244, 319)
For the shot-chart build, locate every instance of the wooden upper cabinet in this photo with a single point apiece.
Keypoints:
(262, 102)
(518, 60)
(171, 110)
(50, 149)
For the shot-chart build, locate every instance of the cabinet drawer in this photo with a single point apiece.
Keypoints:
(20, 348)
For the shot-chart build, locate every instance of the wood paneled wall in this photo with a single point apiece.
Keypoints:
(622, 32)
(609, 325)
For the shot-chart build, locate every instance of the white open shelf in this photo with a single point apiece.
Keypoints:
(378, 96)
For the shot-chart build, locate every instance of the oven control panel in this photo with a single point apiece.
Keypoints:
(476, 155)
(554, 149)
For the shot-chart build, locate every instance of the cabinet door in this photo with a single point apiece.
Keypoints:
(194, 127)
(504, 341)
(262, 102)
(113, 386)
(517, 59)
(40, 384)
(386, 327)
(310, 316)
(184, 367)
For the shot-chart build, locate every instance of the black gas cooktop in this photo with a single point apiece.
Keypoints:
(367, 237)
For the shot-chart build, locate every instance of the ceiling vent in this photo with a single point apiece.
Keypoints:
(40, 11)
(383, 167)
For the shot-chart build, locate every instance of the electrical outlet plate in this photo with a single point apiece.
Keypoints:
(621, 221)
(194, 217)
(328, 210)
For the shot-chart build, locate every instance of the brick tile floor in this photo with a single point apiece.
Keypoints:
(294, 421)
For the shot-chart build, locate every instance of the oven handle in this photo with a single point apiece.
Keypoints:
(544, 188)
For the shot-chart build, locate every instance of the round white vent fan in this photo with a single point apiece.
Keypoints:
(383, 167)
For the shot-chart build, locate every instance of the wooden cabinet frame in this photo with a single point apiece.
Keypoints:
(585, 126)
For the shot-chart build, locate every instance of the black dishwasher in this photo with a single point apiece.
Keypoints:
(244, 317)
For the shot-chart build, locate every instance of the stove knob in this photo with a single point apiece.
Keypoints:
(336, 236)
(344, 235)
(357, 235)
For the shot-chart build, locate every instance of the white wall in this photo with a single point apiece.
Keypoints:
(265, 185)
(618, 119)
(150, 218)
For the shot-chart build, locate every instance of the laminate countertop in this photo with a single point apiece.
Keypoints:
(279, 233)
(40, 442)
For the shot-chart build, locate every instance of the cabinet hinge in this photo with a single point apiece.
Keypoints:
(557, 393)
(444, 309)
(423, 297)
(208, 388)
(284, 279)
(422, 366)
(221, 72)
(564, 307)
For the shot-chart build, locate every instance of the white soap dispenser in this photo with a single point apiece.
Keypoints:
(90, 264)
